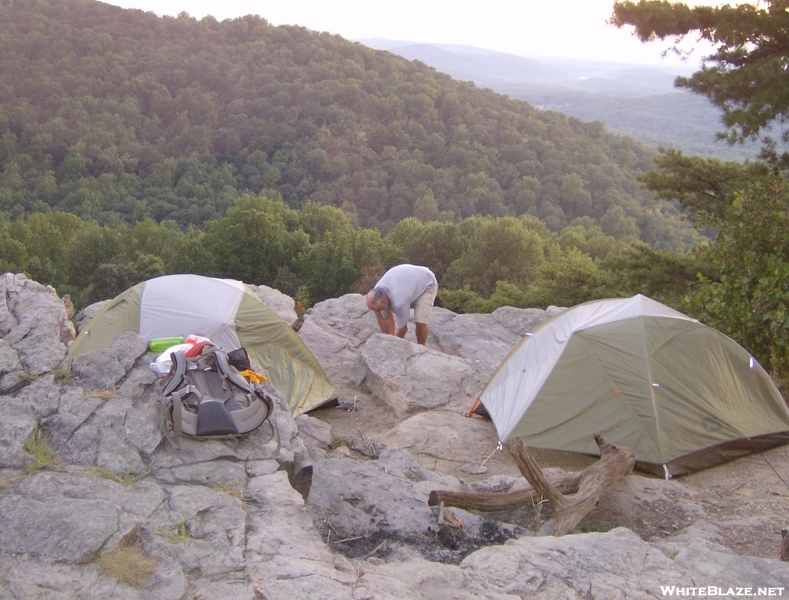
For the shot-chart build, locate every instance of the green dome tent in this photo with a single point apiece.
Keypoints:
(679, 394)
(226, 311)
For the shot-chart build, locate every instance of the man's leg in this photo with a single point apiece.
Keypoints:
(422, 309)
(422, 331)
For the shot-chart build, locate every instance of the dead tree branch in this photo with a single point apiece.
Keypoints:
(571, 497)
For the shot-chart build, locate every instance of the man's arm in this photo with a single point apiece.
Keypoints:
(401, 316)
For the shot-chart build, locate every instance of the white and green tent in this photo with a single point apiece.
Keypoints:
(226, 311)
(681, 395)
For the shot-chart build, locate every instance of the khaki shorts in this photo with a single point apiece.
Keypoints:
(424, 304)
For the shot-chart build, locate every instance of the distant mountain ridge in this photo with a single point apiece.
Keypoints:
(493, 66)
(630, 99)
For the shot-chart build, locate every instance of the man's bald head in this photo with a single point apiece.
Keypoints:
(377, 300)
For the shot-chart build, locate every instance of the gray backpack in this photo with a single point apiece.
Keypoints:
(205, 396)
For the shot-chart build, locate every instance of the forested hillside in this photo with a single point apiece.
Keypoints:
(118, 115)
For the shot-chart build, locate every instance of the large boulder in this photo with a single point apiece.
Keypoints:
(19, 426)
(486, 338)
(411, 378)
(442, 436)
(335, 330)
(35, 322)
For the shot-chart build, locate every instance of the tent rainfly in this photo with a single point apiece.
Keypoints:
(681, 395)
(226, 311)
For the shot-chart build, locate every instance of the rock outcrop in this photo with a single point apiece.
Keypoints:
(86, 473)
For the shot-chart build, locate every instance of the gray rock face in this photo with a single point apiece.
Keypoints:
(335, 331)
(281, 304)
(385, 495)
(39, 329)
(19, 425)
(104, 368)
(74, 515)
(485, 338)
(229, 519)
(406, 375)
(314, 433)
(434, 432)
(11, 371)
(286, 556)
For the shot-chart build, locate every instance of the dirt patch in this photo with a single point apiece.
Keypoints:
(746, 500)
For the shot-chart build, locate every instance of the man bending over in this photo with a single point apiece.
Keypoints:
(398, 290)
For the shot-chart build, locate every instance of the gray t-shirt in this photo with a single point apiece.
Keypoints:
(403, 284)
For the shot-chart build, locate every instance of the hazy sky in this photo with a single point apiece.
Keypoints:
(570, 28)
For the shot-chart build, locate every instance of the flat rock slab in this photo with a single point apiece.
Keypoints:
(412, 378)
(69, 517)
(442, 435)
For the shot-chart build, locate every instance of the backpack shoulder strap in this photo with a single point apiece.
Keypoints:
(177, 373)
(230, 373)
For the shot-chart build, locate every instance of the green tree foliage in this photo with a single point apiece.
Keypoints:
(192, 255)
(334, 264)
(462, 300)
(13, 255)
(749, 301)
(745, 76)
(259, 241)
(112, 279)
(317, 220)
(574, 199)
(590, 241)
(618, 225)
(705, 187)
(499, 250)
(45, 236)
(93, 246)
(316, 253)
(426, 208)
(662, 275)
(566, 278)
(505, 294)
(485, 263)
(115, 114)
(149, 265)
(252, 242)
(435, 244)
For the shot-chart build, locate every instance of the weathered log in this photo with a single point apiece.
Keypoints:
(585, 486)
(614, 464)
(492, 501)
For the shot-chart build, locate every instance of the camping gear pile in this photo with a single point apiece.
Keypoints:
(225, 311)
(681, 395)
(211, 393)
(190, 347)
